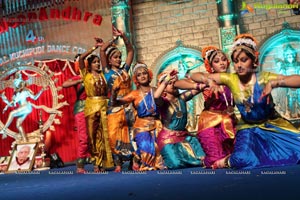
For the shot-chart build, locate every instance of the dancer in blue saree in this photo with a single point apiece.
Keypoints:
(264, 138)
(147, 123)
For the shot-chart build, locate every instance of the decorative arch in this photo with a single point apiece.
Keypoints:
(279, 53)
(182, 58)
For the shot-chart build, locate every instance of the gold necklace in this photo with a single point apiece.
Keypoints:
(99, 90)
(177, 108)
(98, 78)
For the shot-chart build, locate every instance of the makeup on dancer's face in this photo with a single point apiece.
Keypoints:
(116, 58)
(242, 62)
(171, 88)
(142, 75)
(96, 63)
(220, 62)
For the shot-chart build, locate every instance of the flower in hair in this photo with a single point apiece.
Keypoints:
(92, 54)
(206, 54)
(245, 35)
(139, 65)
(111, 50)
(245, 39)
(206, 51)
(207, 66)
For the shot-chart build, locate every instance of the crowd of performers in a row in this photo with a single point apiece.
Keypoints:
(158, 115)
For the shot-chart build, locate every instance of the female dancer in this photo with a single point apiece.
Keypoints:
(95, 109)
(263, 138)
(147, 124)
(178, 148)
(83, 151)
(120, 118)
(216, 129)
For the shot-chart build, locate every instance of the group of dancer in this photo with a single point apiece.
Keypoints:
(157, 116)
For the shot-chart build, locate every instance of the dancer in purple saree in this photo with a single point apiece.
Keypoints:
(216, 130)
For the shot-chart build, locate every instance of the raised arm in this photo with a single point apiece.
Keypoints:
(103, 57)
(99, 43)
(164, 81)
(116, 34)
(129, 49)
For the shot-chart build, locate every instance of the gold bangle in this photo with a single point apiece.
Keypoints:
(226, 162)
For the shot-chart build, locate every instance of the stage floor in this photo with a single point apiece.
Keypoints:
(190, 183)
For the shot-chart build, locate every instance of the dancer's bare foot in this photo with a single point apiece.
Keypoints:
(218, 164)
(118, 168)
(98, 169)
(202, 161)
(80, 170)
(222, 163)
(135, 166)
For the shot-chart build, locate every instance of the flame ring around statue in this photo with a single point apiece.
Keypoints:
(45, 79)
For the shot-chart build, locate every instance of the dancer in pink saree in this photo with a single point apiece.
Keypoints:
(216, 130)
